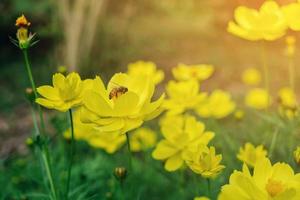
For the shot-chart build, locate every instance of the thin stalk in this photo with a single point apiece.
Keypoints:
(292, 73)
(129, 151)
(265, 70)
(72, 150)
(273, 142)
(43, 148)
(45, 158)
(36, 133)
(122, 190)
(208, 188)
(29, 72)
(197, 189)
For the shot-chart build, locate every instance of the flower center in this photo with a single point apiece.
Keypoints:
(116, 92)
(274, 187)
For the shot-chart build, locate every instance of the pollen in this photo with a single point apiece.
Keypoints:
(274, 187)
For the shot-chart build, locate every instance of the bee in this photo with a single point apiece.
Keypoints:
(117, 91)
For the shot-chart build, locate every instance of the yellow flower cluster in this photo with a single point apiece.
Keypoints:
(187, 72)
(250, 154)
(268, 182)
(290, 45)
(258, 98)
(288, 105)
(121, 106)
(66, 92)
(251, 76)
(270, 22)
(183, 96)
(218, 105)
(116, 109)
(297, 155)
(180, 133)
(142, 138)
(204, 161)
(146, 68)
(95, 138)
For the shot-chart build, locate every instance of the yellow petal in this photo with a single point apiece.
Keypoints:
(126, 104)
(131, 124)
(95, 103)
(58, 80)
(164, 150)
(48, 92)
(116, 125)
(174, 162)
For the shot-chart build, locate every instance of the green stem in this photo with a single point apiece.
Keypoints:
(265, 70)
(45, 158)
(129, 151)
(197, 189)
(43, 147)
(208, 188)
(72, 150)
(273, 142)
(292, 73)
(29, 72)
(122, 190)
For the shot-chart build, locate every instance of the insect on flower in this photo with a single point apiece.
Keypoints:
(117, 91)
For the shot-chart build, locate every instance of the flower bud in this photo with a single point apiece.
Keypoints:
(62, 69)
(25, 39)
(22, 21)
(29, 142)
(120, 173)
(30, 95)
(297, 155)
(290, 45)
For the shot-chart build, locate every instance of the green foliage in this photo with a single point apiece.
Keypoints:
(92, 176)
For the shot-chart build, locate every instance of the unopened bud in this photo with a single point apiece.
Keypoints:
(30, 95)
(297, 155)
(29, 142)
(120, 173)
(62, 69)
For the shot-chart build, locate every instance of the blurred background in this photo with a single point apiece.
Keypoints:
(103, 36)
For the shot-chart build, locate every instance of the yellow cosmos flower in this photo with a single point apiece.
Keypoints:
(183, 95)
(218, 105)
(290, 45)
(22, 21)
(277, 182)
(267, 23)
(292, 14)
(250, 154)
(258, 98)
(123, 106)
(204, 161)
(86, 132)
(146, 68)
(287, 97)
(288, 103)
(201, 198)
(142, 139)
(187, 72)
(239, 114)
(180, 133)
(66, 92)
(251, 76)
(297, 155)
